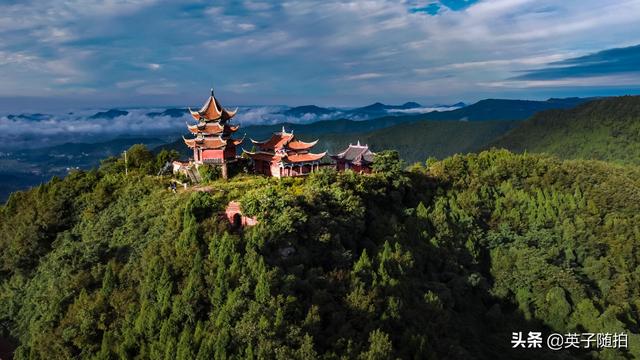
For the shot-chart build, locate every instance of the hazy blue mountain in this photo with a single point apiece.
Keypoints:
(32, 117)
(380, 109)
(307, 109)
(374, 110)
(172, 112)
(109, 114)
(378, 106)
(504, 109)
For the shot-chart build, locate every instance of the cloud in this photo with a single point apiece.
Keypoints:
(423, 110)
(49, 129)
(333, 52)
(624, 80)
(612, 61)
(365, 76)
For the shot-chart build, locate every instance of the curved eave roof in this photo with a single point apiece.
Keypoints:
(237, 142)
(301, 145)
(308, 157)
(212, 111)
(206, 143)
(276, 141)
(212, 128)
(354, 152)
(260, 155)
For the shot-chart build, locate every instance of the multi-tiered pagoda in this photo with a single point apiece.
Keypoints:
(284, 155)
(213, 142)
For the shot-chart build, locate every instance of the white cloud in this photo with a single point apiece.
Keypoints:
(129, 83)
(343, 50)
(620, 80)
(246, 26)
(364, 76)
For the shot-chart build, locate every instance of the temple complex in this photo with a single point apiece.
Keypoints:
(283, 155)
(213, 141)
(356, 157)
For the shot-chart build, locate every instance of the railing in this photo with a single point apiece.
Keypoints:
(213, 161)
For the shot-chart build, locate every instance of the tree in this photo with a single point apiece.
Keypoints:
(388, 162)
(380, 347)
(139, 157)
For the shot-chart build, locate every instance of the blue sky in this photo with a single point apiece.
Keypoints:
(143, 52)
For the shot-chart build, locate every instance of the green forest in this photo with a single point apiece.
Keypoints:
(605, 129)
(416, 141)
(443, 259)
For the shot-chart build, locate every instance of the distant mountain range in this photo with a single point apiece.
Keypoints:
(309, 109)
(32, 117)
(366, 112)
(171, 112)
(503, 109)
(597, 128)
(109, 114)
(489, 109)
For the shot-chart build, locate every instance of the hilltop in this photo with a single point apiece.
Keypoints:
(443, 261)
(604, 129)
(504, 109)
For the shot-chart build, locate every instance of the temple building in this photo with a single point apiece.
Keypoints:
(284, 155)
(213, 141)
(356, 157)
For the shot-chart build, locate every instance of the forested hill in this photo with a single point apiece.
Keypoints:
(605, 129)
(504, 109)
(419, 140)
(444, 261)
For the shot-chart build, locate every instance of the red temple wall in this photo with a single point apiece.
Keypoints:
(212, 154)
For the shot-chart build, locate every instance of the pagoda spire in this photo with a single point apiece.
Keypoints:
(213, 141)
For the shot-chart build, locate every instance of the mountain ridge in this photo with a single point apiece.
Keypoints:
(602, 129)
